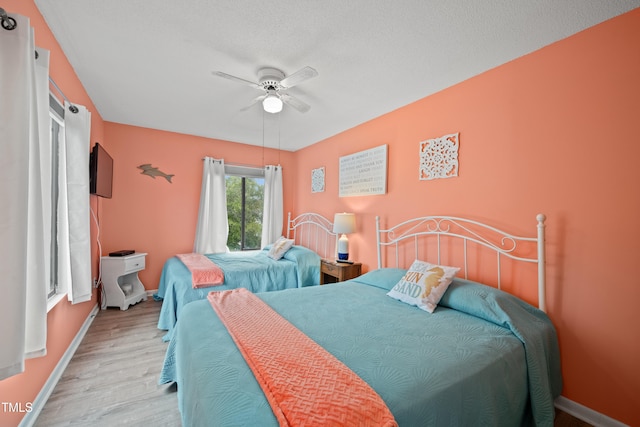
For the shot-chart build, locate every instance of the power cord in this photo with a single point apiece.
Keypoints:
(98, 282)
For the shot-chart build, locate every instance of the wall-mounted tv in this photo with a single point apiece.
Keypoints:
(100, 172)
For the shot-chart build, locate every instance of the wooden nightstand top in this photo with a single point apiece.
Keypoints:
(332, 271)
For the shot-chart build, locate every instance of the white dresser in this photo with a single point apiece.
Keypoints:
(120, 281)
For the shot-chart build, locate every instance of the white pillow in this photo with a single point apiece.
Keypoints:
(280, 246)
(423, 285)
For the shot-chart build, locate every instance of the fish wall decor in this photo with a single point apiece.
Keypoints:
(151, 171)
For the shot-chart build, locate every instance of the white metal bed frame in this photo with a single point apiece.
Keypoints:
(312, 231)
(499, 241)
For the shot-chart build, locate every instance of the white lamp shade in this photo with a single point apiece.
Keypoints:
(272, 104)
(344, 223)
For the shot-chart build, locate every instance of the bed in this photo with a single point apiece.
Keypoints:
(254, 270)
(483, 357)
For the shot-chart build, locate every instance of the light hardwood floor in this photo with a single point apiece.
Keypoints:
(112, 378)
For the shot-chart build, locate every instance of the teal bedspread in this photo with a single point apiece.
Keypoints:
(482, 358)
(252, 270)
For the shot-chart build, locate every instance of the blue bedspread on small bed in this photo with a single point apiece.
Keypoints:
(252, 270)
(475, 361)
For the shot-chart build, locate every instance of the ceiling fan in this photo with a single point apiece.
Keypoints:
(274, 84)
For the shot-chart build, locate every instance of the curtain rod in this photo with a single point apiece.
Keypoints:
(72, 107)
(8, 23)
(242, 165)
(232, 164)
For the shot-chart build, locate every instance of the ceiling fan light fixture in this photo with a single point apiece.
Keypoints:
(272, 104)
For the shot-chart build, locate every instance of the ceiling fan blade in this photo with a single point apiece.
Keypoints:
(298, 77)
(234, 78)
(295, 103)
(254, 102)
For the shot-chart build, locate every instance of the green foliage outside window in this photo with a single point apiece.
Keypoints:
(252, 206)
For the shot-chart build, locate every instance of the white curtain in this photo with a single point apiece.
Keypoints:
(39, 217)
(74, 238)
(213, 227)
(23, 236)
(273, 211)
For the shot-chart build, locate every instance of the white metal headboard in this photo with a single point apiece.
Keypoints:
(502, 243)
(312, 231)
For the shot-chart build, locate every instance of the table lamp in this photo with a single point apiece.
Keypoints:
(344, 223)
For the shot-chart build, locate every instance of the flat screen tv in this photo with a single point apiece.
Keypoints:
(100, 172)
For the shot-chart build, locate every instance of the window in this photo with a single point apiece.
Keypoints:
(56, 120)
(245, 199)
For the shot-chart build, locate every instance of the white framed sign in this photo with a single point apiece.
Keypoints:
(364, 173)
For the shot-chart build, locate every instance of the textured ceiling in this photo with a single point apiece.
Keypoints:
(149, 63)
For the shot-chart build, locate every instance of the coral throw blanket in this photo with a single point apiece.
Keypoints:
(204, 272)
(305, 384)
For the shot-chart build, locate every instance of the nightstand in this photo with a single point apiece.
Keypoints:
(120, 281)
(332, 271)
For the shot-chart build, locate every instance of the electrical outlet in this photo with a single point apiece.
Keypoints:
(95, 282)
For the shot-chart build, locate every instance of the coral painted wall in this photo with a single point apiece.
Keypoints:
(64, 320)
(158, 217)
(553, 132)
(556, 132)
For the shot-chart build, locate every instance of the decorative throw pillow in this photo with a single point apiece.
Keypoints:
(280, 246)
(423, 285)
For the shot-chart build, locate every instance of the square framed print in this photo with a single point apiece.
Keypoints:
(439, 157)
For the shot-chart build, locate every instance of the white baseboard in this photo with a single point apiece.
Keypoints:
(40, 400)
(586, 414)
(150, 292)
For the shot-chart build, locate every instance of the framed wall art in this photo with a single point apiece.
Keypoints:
(317, 180)
(439, 157)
